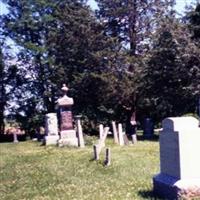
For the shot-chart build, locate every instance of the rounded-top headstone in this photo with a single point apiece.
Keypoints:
(180, 123)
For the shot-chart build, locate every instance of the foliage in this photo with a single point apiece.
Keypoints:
(60, 42)
(129, 57)
(132, 22)
(193, 21)
(170, 74)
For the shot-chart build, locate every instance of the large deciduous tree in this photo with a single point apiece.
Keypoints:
(59, 41)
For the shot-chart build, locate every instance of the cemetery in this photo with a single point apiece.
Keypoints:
(99, 99)
(114, 167)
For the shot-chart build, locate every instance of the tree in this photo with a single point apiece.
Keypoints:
(9, 81)
(59, 42)
(192, 19)
(2, 93)
(132, 22)
(170, 72)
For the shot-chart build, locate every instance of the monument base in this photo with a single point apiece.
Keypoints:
(68, 138)
(171, 188)
(51, 140)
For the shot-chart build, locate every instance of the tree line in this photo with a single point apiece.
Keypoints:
(128, 57)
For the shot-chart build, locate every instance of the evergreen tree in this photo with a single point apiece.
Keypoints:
(193, 22)
(132, 22)
(170, 73)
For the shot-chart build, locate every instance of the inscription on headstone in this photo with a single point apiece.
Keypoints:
(66, 120)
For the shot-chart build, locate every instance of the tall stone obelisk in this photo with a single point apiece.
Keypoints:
(67, 133)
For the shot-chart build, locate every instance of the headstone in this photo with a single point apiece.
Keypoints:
(15, 140)
(134, 138)
(79, 131)
(116, 140)
(96, 153)
(179, 159)
(148, 128)
(51, 129)
(125, 138)
(101, 143)
(68, 135)
(108, 157)
(121, 139)
(100, 131)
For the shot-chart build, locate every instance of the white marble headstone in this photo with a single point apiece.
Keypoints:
(180, 147)
(51, 125)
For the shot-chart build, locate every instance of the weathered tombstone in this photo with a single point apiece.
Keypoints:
(108, 157)
(96, 153)
(100, 131)
(101, 143)
(67, 133)
(15, 140)
(51, 129)
(125, 138)
(79, 131)
(116, 140)
(179, 159)
(148, 128)
(134, 138)
(121, 139)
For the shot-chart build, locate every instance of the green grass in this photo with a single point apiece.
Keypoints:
(31, 171)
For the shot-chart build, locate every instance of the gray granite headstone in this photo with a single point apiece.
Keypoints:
(179, 159)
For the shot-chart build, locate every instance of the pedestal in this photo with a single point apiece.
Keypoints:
(172, 188)
(68, 138)
(51, 139)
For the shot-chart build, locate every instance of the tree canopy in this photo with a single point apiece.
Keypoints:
(128, 56)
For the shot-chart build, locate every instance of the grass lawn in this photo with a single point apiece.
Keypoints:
(31, 171)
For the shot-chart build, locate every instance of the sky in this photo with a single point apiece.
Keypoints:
(180, 5)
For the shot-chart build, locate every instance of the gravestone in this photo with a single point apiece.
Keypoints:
(116, 140)
(108, 157)
(51, 129)
(81, 142)
(148, 128)
(15, 140)
(120, 132)
(179, 159)
(67, 133)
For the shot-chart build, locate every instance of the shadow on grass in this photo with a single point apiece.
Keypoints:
(153, 138)
(149, 194)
